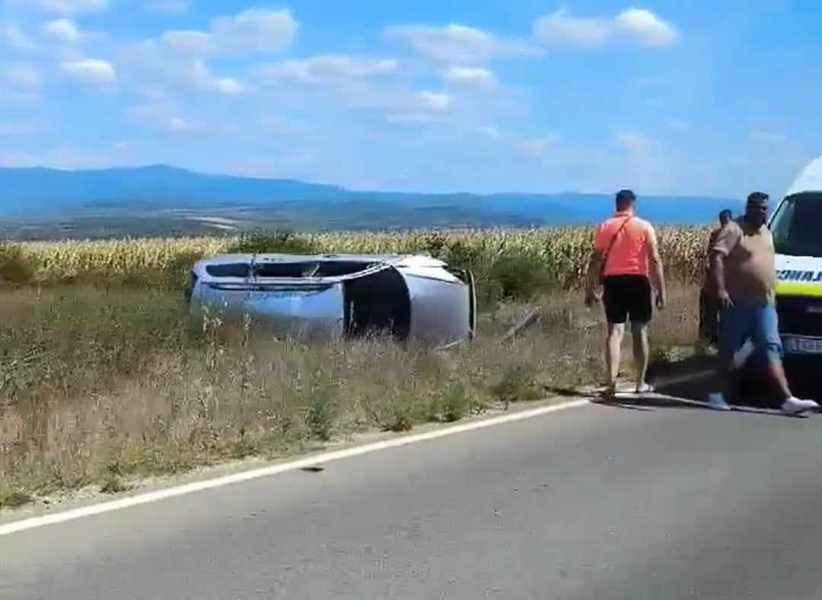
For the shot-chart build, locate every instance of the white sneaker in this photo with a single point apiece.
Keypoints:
(717, 401)
(795, 406)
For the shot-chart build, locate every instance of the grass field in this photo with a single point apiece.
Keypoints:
(104, 380)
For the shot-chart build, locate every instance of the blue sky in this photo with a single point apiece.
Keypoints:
(664, 97)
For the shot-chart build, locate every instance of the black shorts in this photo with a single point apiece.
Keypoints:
(628, 297)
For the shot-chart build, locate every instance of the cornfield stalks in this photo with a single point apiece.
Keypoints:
(563, 251)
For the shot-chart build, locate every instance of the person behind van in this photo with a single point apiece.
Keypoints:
(708, 302)
(626, 261)
(743, 264)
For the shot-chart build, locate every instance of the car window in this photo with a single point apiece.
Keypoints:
(240, 270)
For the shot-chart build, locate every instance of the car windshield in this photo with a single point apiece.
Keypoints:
(797, 225)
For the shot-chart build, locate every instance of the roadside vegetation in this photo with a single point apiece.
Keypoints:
(104, 380)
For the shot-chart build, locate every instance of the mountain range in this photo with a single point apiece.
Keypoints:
(160, 199)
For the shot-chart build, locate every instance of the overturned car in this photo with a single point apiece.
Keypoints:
(411, 298)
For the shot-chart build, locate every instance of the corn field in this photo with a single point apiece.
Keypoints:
(562, 253)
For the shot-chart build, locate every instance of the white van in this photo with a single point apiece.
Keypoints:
(797, 230)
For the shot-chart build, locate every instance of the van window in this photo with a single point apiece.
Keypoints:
(797, 226)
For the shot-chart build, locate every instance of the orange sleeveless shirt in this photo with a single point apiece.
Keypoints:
(629, 254)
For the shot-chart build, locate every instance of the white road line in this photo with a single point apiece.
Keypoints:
(200, 486)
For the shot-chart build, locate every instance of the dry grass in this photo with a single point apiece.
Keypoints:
(103, 379)
(98, 388)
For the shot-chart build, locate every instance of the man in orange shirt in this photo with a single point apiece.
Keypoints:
(626, 261)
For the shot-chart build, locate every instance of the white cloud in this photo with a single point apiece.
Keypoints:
(180, 125)
(326, 69)
(170, 6)
(276, 125)
(435, 102)
(491, 131)
(90, 70)
(255, 31)
(459, 44)
(196, 43)
(560, 29)
(634, 24)
(412, 118)
(164, 119)
(15, 159)
(423, 107)
(12, 36)
(643, 161)
(160, 68)
(73, 7)
(633, 142)
(474, 77)
(203, 78)
(153, 93)
(646, 28)
(22, 76)
(63, 30)
(537, 147)
(182, 56)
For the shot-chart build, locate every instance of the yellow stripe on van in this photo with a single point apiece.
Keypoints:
(792, 288)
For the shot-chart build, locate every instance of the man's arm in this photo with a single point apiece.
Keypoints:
(725, 242)
(592, 277)
(718, 274)
(711, 244)
(657, 269)
(594, 267)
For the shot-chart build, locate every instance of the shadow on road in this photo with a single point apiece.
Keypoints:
(685, 384)
(693, 379)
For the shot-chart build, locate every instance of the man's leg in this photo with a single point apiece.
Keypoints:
(642, 353)
(713, 320)
(767, 341)
(734, 328)
(729, 379)
(617, 315)
(613, 352)
(641, 312)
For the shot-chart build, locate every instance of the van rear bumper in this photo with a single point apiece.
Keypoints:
(800, 324)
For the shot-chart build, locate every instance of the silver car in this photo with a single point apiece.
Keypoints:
(412, 298)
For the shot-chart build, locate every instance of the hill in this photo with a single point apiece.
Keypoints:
(164, 200)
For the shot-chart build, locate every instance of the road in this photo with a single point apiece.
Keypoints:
(590, 503)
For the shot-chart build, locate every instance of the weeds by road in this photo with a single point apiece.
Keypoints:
(99, 386)
(103, 378)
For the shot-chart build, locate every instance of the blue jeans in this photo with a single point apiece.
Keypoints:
(756, 322)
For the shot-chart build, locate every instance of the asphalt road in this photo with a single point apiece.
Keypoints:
(591, 503)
